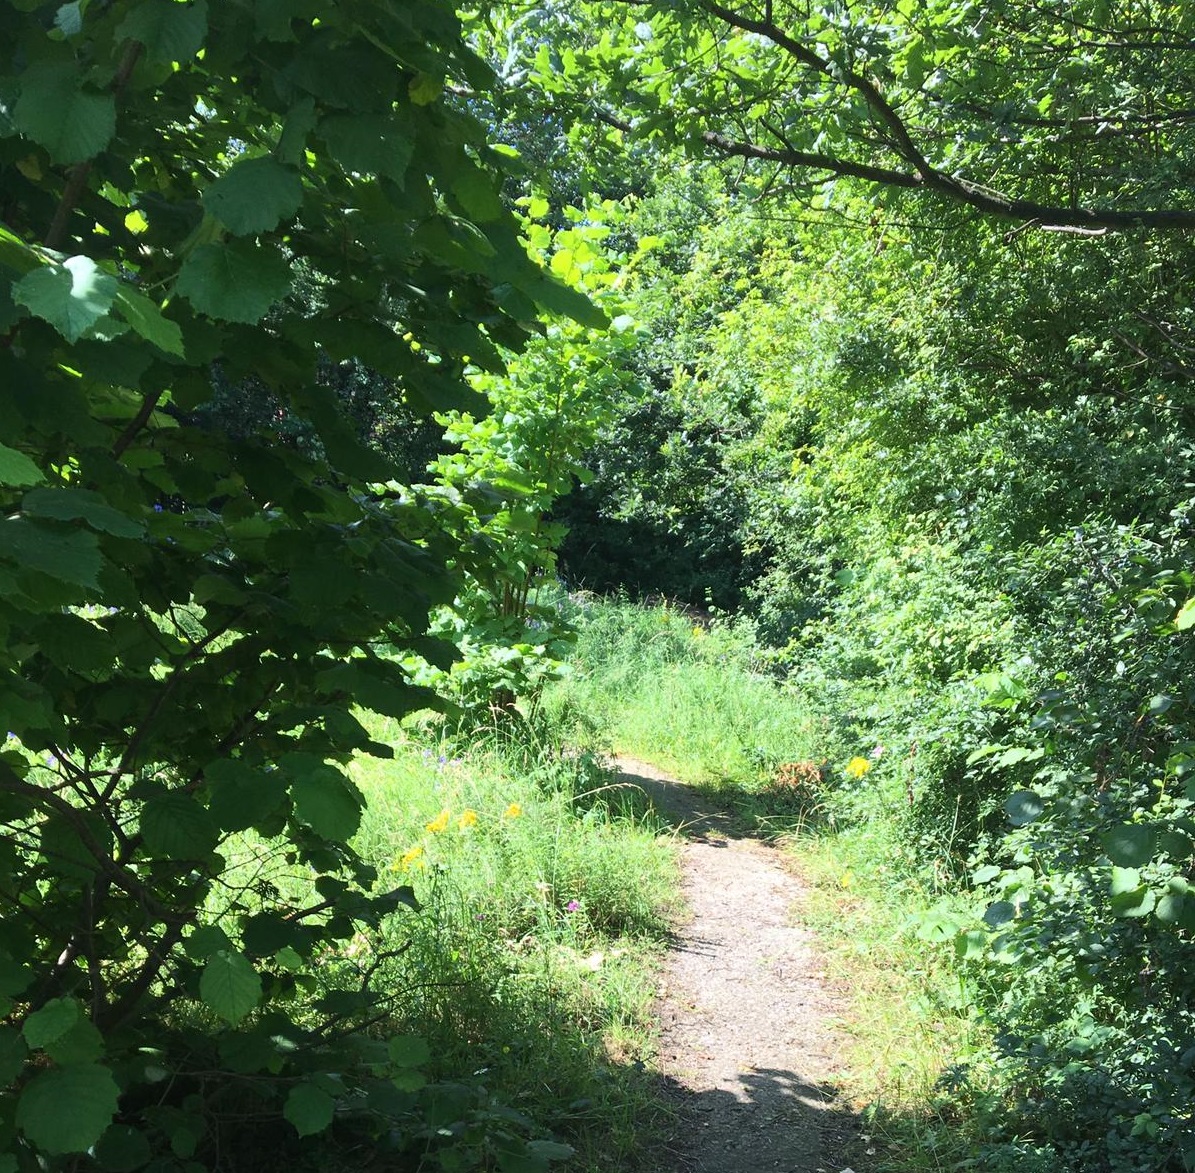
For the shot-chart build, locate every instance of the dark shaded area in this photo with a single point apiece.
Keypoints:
(777, 1121)
(641, 557)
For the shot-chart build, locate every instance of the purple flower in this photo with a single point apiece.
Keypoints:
(572, 906)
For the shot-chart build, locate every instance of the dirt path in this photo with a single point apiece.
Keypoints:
(747, 1044)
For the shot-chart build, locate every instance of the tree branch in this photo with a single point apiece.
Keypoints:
(920, 174)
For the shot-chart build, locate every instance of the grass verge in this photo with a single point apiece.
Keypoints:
(531, 966)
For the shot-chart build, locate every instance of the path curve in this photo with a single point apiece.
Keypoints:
(747, 1038)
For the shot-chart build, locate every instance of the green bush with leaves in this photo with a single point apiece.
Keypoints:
(190, 614)
(494, 491)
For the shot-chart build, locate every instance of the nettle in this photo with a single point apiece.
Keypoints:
(187, 619)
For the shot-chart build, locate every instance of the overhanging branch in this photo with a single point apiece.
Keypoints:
(919, 174)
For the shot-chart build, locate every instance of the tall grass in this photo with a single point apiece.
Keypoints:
(662, 683)
(531, 966)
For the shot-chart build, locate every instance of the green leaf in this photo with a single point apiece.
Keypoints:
(377, 144)
(1130, 897)
(147, 320)
(17, 469)
(234, 282)
(425, 89)
(72, 123)
(72, 296)
(206, 940)
(81, 505)
(1175, 844)
(254, 196)
(999, 913)
(1138, 901)
(1131, 845)
(83, 1043)
(13, 1053)
(69, 557)
(324, 801)
(408, 1080)
(1174, 902)
(309, 1109)
(550, 1150)
(42, 1114)
(69, 19)
(971, 945)
(122, 1149)
(1186, 616)
(175, 826)
(242, 797)
(1024, 807)
(168, 30)
(230, 986)
(409, 1051)
(49, 1023)
(476, 192)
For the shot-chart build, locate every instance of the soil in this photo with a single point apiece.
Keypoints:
(748, 1045)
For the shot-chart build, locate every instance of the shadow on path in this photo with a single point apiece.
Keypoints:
(774, 1122)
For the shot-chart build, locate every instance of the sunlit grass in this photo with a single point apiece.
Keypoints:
(532, 963)
(695, 701)
(655, 682)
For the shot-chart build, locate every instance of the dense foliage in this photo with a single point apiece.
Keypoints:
(943, 463)
(249, 201)
(895, 360)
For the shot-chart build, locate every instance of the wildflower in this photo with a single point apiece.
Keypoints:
(857, 767)
(698, 632)
(411, 859)
(572, 906)
(513, 811)
(440, 822)
(468, 819)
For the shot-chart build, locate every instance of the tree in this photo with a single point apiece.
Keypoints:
(1074, 118)
(190, 613)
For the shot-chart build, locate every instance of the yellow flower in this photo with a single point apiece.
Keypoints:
(468, 819)
(411, 859)
(440, 822)
(513, 811)
(857, 767)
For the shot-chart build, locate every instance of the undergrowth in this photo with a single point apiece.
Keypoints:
(530, 967)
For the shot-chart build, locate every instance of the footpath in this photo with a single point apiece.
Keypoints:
(747, 1021)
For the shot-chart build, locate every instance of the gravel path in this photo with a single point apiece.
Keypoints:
(747, 1044)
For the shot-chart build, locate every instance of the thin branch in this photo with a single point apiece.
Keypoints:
(920, 174)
